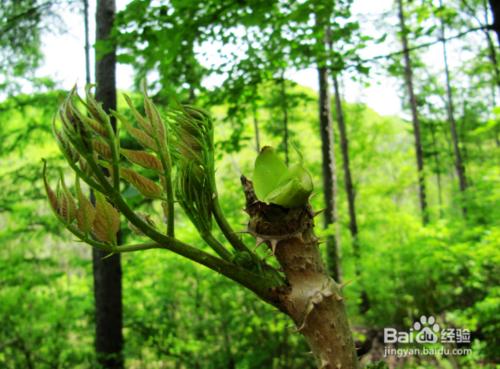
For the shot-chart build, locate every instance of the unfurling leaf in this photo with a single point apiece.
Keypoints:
(107, 220)
(142, 137)
(102, 149)
(193, 132)
(65, 147)
(138, 116)
(153, 116)
(275, 183)
(145, 186)
(50, 193)
(95, 108)
(95, 126)
(85, 214)
(67, 205)
(143, 159)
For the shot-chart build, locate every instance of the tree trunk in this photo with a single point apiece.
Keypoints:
(322, 19)
(329, 173)
(284, 110)
(256, 126)
(459, 165)
(495, 9)
(349, 188)
(87, 40)
(408, 73)
(437, 162)
(107, 272)
(492, 55)
(311, 297)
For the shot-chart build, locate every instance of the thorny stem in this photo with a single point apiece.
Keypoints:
(310, 297)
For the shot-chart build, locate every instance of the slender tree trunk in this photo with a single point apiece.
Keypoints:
(492, 55)
(284, 110)
(87, 40)
(329, 173)
(328, 153)
(437, 162)
(311, 297)
(492, 52)
(459, 165)
(495, 9)
(349, 188)
(408, 72)
(256, 126)
(107, 272)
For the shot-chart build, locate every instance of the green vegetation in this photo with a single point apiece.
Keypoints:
(406, 211)
(176, 311)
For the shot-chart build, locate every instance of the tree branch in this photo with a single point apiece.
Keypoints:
(427, 44)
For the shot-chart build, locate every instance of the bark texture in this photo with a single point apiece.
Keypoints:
(322, 14)
(349, 189)
(284, 110)
(408, 74)
(87, 40)
(107, 272)
(256, 126)
(459, 164)
(311, 297)
(495, 9)
(329, 172)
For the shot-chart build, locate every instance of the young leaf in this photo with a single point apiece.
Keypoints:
(269, 168)
(153, 116)
(95, 108)
(289, 195)
(95, 126)
(50, 193)
(143, 159)
(102, 149)
(138, 116)
(143, 138)
(277, 184)
(66, 149)
(85, 214)
(145, 186)
(67, 205)
(107, 220)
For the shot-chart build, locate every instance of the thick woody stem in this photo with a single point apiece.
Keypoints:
(315, 303)
(311, 298)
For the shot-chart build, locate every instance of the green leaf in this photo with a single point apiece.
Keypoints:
(269, 168)
(277, 184)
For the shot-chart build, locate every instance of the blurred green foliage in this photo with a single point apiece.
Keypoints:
(179, 315)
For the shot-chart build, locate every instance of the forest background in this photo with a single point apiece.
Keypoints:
(412, 194)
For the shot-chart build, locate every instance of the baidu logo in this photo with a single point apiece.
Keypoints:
(424, 330)
(427, 330)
